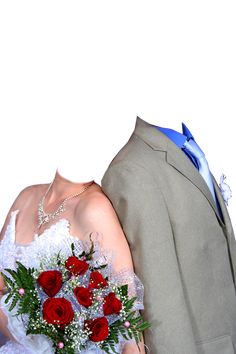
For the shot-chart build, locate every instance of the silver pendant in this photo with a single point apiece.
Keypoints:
(44, 218)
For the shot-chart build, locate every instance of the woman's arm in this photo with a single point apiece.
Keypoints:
(99, 216)
(132, 348)
(3, 323)
(18, 203)
(3, 319)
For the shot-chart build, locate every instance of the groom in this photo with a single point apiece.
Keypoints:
(181, 239)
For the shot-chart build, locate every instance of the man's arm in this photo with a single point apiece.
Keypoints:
(142, 211)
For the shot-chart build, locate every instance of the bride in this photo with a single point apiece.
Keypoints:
(39, 216)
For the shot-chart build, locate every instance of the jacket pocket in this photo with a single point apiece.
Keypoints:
(218, 345)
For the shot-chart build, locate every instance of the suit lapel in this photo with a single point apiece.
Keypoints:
(176, 158)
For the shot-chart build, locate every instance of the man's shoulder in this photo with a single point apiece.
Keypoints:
(135, 154)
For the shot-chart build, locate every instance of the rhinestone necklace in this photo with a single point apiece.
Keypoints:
(44, 217)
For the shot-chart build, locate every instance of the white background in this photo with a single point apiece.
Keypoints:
(75, 74)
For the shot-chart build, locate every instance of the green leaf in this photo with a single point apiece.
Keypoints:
(14, 302)
(123, 333)
(8, 298)
(91, 251)
(136, 319)
(144, 325)
(124, 289)
(113, 349)
(129, 304)
(136, 337)
(72, 248)
(82, 254)
(12, 272)
(9, 283)
(130, 316)
(100, 267)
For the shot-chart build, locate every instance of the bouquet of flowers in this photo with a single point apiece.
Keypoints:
(75, 301)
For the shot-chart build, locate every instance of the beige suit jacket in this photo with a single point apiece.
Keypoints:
(182, 250)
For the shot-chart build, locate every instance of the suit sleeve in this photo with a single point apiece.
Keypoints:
(143, 214)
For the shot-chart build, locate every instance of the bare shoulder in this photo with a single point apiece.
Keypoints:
(98, 215)
(23, 200)
(27, 194)
(95, 205)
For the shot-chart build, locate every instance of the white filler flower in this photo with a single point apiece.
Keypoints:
(225, 189)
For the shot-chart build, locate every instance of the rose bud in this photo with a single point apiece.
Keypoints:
(97, 280)
(76, 266)
(99, 328)
(84, 296)
(112, 305)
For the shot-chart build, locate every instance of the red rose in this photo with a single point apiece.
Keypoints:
(76, 266)
(97, 281)
(112, 304)
(99, 327)
(50, 281)
(84, 296)
(58, 310)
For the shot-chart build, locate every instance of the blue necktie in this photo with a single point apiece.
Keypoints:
(203, 168)
(187, 144)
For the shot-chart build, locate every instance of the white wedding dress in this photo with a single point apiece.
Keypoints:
(54, 238)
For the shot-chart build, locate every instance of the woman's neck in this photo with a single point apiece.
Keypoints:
(62, 188)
